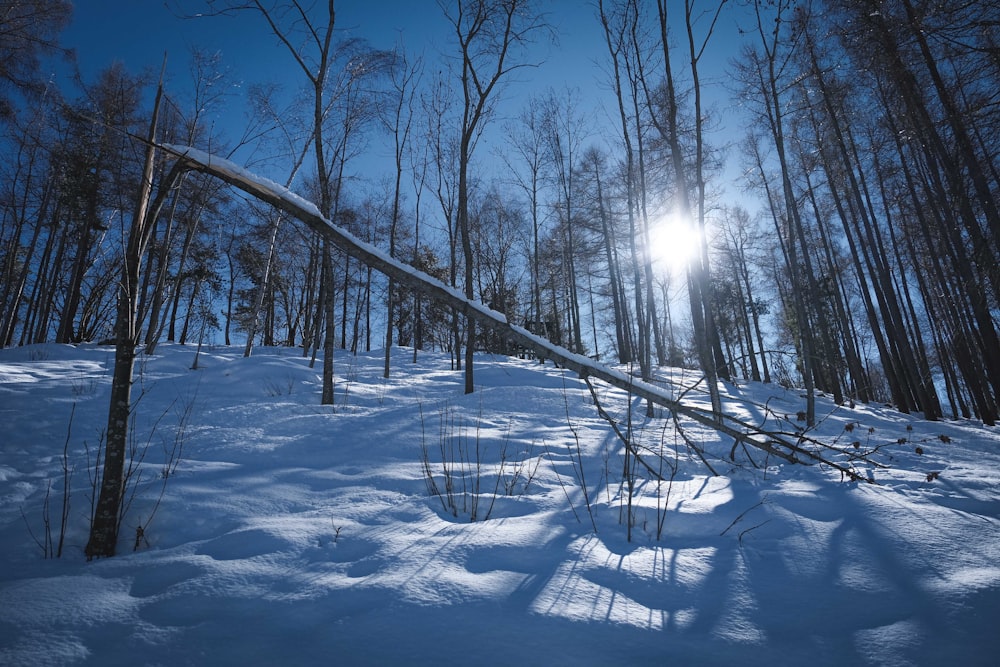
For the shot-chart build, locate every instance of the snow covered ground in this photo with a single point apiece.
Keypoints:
(296, 534)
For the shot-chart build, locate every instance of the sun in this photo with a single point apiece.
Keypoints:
(674, 242)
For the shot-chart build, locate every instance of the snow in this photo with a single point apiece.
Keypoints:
(242, 175)
(293, 533)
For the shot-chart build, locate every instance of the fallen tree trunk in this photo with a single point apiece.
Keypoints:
(773, 443)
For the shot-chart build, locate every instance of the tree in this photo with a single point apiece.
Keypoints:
(767, 67)
(420, 166)
(743, 432)
(527, 137)
(737, 240)
(160, 295)
(314, 58)
(30, 206)
(28, 29)
(334, 73)
(933, 67)
(497, 225)
(106, 521)
(593, 170)
(618, 27)
(281, 135)
(691, 180)
(874, 111)
(95, 176)
(398, 121)
(564, 132)
(437, 108)
(487, 31)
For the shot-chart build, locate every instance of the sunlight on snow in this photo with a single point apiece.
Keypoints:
(627, 588)
(298, 533)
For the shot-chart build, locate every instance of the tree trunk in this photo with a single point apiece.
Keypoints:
(329, 316)
(105, 523)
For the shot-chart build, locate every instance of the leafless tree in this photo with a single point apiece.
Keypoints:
(106, 521)
(398, 121)
(29, 29)
(490, 35)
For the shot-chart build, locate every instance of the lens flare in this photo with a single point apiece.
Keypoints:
(674, 242)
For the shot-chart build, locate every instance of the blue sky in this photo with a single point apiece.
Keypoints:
(139, 32)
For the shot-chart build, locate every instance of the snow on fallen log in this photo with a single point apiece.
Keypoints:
(284, 199)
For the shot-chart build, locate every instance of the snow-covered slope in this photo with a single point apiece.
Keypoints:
(291, 533)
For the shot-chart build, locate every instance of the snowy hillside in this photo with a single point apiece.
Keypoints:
(296, 534)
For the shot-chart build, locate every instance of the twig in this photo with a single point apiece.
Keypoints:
(742, 514)
(740, 537)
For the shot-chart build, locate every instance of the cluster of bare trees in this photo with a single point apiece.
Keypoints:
(868, 270)
(70, 178)
(876, 149)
